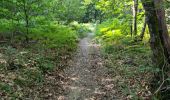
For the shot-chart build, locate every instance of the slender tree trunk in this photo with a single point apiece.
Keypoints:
(131, 29)
(12, 33)
(132, 21)
(143, 30)
(96, 15)
(135, 16)
(26, 20)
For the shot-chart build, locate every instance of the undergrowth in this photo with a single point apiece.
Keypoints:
(129, 61)
(133, 66)
(26, 67)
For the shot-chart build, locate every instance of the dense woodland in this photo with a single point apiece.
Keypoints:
(38, 38)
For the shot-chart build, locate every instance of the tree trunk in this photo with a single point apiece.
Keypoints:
(159, 42)
(159, 38)
(27, 21)
(135, 16)
(163, 30)
(131, 28)
(143, 30)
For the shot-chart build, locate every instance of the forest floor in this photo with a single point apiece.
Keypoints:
(89, 72)
(87, 78)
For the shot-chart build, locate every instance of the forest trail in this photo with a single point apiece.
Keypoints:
(87, 78)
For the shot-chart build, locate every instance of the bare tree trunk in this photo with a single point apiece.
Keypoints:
(143, 30)
(26, 20)
(131, 29)
(135, 16)
(132, 21)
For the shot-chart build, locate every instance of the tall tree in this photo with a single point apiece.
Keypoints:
(160, 41)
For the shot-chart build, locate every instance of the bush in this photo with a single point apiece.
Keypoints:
(55, 36)
(110, 31)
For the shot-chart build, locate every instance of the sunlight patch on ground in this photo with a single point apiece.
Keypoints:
(107, 80)
(61, 98)
(23, 52)
(74, 78)
(110, 86)
(76, 88)
(2, 61)
(97, 91)
(93, 98)
(87, 70)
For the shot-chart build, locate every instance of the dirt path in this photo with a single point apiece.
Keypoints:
(87, 78)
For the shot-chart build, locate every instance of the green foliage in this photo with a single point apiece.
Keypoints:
(81, 29)
(37, 35)
(29, 77)
(29, 65)
(112, 32)
(45, 64)
(25, 68)
(126, 59)
(68, 10)
(5, 87)
(49, 43)
(5, 25)
(55, 36)
(111, 25)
